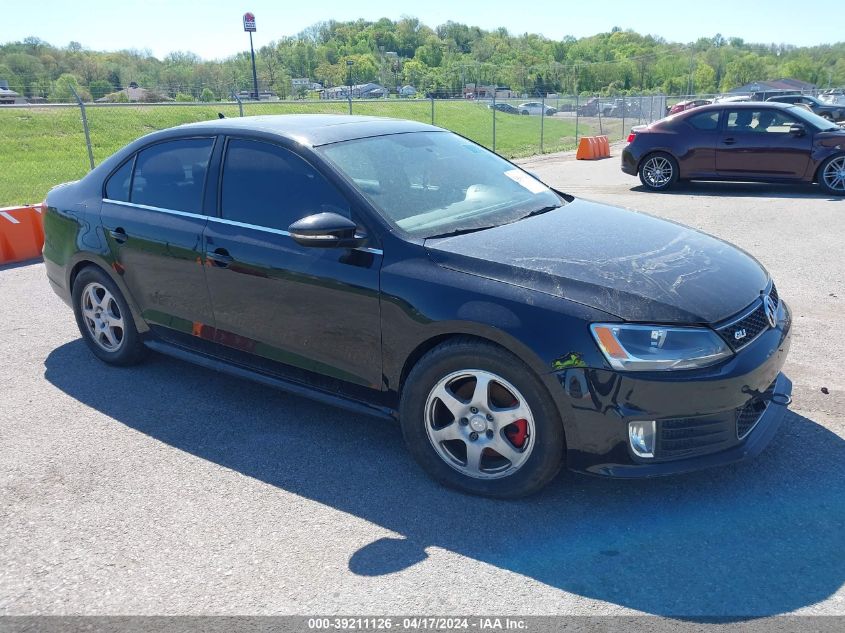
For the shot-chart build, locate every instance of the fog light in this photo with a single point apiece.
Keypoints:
(641, 435)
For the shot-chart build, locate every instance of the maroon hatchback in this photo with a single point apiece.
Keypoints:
(766, 142)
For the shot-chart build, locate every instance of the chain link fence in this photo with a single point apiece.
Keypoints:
(42, 145)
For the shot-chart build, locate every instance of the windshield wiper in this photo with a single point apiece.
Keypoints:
(462, 231)
(493, 226)
(541, 210)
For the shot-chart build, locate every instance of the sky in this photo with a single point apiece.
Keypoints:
(213, 29)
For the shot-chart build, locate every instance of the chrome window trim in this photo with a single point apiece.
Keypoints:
(146, 207)
(255, 227)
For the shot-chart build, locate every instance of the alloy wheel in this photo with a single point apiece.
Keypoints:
(834, 174)
(479, 424)
(102, 317)
(657, 171)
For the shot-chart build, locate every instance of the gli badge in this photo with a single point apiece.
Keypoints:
(740, 334)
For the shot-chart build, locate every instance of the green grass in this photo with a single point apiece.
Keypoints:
(41, 147)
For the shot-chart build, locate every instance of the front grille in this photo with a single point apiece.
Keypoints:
(744, 330)
(748, 416)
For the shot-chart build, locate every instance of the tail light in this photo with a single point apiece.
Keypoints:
(631, 137)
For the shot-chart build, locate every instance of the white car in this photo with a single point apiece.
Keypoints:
(535, 107)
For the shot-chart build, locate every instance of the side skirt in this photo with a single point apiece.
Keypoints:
(271, 381)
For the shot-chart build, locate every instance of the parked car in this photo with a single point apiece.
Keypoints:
(504, 107)
(629, 108)
(594, 106)
(829, 111)
(396, 269)
(732, 99)
(762, 141)
(535, 107)
(835, 96)
(589, 108)
(682, 106)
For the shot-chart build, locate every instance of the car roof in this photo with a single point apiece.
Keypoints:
(739, 105)
(309, 129)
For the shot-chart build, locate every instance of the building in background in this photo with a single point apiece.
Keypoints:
(764, 89)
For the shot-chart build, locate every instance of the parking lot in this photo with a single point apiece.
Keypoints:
(169, 489)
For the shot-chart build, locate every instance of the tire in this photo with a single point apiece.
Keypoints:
(832, 175)
(658, 171)
(524, 112)
(104, 319)
(518, 438)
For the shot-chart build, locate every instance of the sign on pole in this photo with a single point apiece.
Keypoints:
(249, 22)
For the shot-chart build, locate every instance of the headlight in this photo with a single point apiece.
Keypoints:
(657, 347)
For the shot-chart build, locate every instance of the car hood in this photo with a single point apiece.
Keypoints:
(629, 264)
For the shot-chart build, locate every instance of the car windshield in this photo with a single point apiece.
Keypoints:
(431, 184)
(813, 119)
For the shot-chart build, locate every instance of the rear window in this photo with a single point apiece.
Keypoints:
(171, 175)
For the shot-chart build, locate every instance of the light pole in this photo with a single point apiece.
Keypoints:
(349, 64)
(249, 27)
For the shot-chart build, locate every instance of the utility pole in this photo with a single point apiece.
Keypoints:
(249, 27)
(689, 80)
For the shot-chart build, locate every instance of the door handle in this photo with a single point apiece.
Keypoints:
(220, 257)
(119, 235)
(729, 141)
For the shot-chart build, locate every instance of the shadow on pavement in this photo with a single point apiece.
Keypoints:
(744, 190)
(759, 538)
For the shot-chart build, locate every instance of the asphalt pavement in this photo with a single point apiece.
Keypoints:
(170, 489)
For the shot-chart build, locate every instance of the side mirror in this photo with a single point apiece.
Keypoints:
(326, 230)
(797, 129)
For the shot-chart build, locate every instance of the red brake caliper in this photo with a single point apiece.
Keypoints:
(517, 433)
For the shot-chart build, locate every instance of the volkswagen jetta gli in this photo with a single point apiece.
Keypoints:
(397, 269)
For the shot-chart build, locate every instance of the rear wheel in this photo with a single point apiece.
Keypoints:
(658, 171)
(477, 419)
(832, 175)
(104, 319)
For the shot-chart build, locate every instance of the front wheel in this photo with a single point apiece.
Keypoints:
(832, 175)
(658, 171)
(477, 419)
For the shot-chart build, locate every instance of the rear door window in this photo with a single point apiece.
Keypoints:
(270, 186)
(171, 175)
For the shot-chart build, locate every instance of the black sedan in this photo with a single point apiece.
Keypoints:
(397, 269)
(748, 141)
(507, 108)
(827, 111)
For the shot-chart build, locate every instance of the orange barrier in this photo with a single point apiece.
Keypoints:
(593, 147)
(585, 149)
(21, 233)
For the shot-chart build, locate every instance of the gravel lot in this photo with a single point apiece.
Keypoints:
(168, 489)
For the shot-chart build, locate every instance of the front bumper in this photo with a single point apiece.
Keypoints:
(704, 418)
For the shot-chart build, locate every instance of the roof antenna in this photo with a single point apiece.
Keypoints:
(220, 115)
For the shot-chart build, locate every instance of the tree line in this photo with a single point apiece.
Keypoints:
(438, 61)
